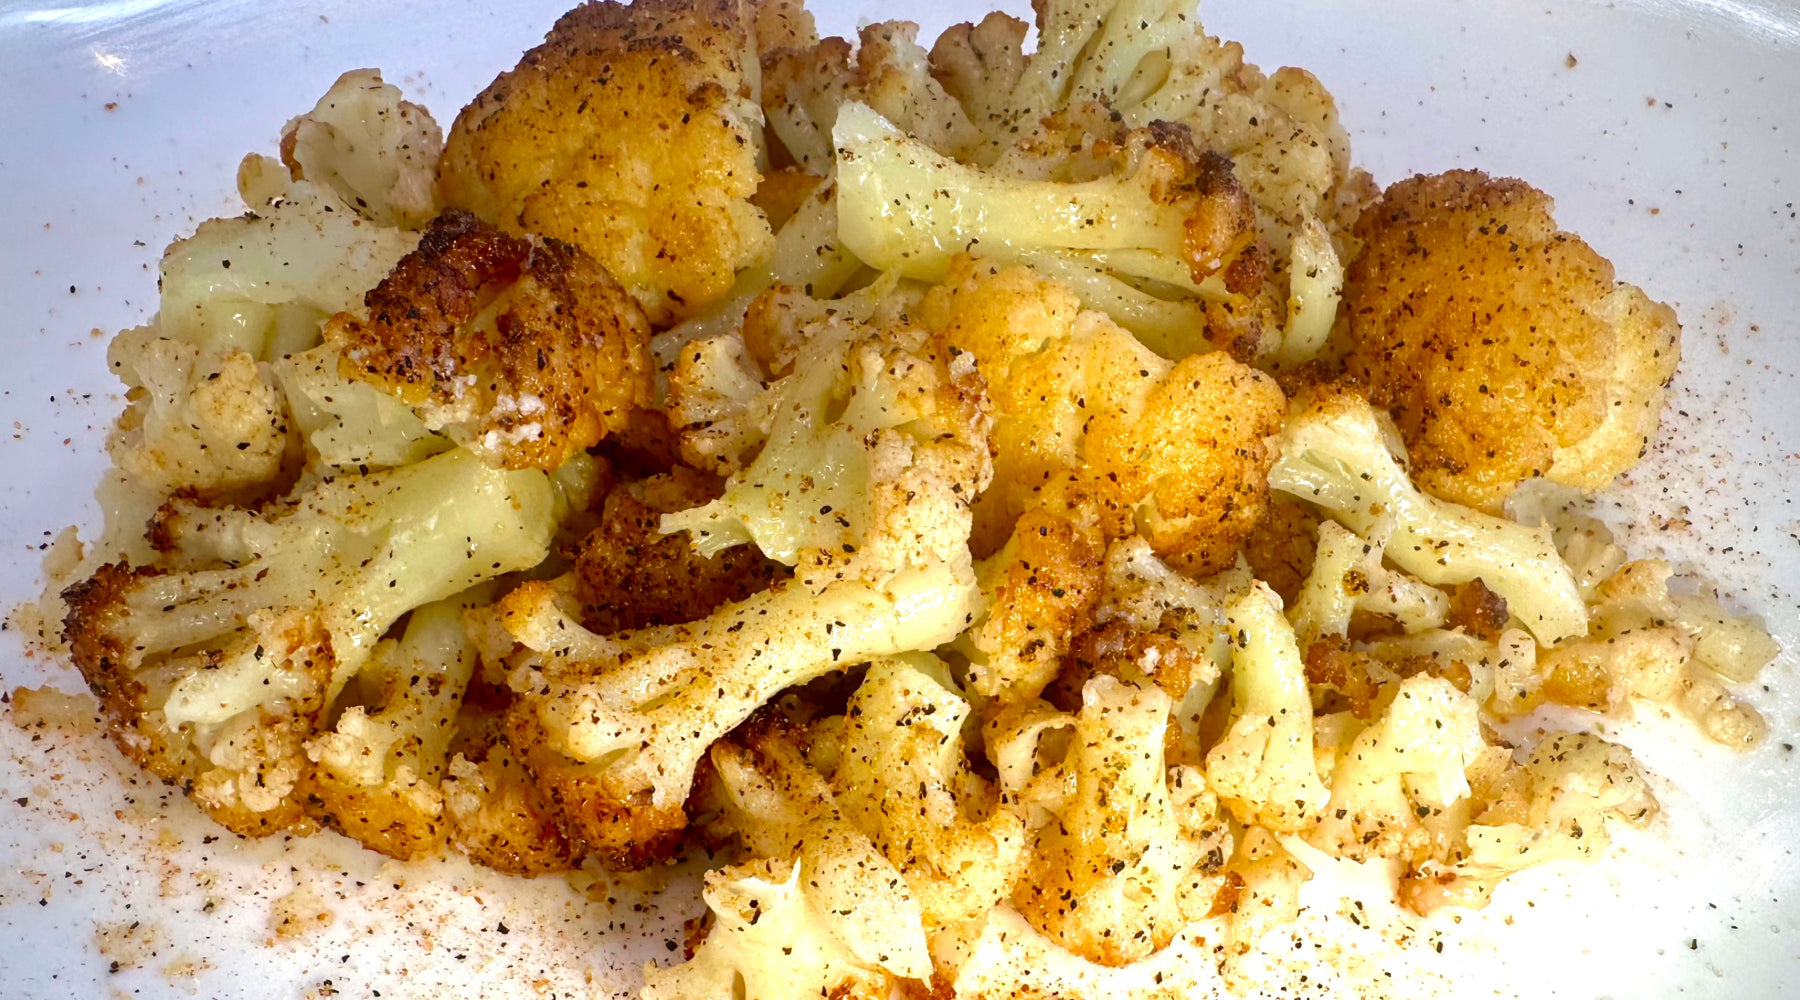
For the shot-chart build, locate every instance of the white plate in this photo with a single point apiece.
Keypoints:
(1665, 128)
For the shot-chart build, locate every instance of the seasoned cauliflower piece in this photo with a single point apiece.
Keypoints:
(208, 425)
(820, 912)
(1174, 450)
(902, 777)
(1407, 764)
(215, 661)
(1040, 590)
(1559, 804)
(1158, 210)
(1337, 453)
(349, 425)
(493, 814)
(524, 351)
(1503, 346)
(264, 282)
(1348, 576)
(633, 132)
(804, 87)
(1263, 767)
(1107, 876)
(378, 152)
(378, 767)
(876, 446)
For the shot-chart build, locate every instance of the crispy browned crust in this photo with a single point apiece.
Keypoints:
(1477, 610)
(627, 133)
(371, 817)
(1483, 329)
(1045, 596)
(512, 832)
(630, 575)
(1283, 545)
(622, 834)
(526, 350)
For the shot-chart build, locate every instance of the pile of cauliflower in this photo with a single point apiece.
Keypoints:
(1015, 504)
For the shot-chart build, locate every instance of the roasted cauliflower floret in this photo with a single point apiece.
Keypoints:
(633, 132)
(819, 912)
(1263, 768)
(1107, 876)
(524, 351)
(208, 425)
(1175, 450)
(803, 88)
(214, 662)
(1337, 453)
(379, 766)
(263, 282)
(377, 151)
(1040, 590)
(1558, 804)
(864, 486)
(876, 446)
(902, 777)
(1503, 346)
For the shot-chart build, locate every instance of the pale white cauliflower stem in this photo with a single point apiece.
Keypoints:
(1338, 456)
(361, 551)
(647, 704)
(1263, 768)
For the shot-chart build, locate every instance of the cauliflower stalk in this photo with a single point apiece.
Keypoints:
(1263, 767)
(904, 206)
(1336, 453)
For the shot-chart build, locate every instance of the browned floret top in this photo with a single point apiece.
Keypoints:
(525, 351)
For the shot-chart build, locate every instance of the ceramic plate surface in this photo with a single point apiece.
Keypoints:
(1667, 131)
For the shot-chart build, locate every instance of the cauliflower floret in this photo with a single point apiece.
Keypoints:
(524, 351)
(1107, 876)
(820, 913)
(1558, 805)
(1348, 576)
(804, 87)
(493, 813)
(1409, 764)
(903, 779)
(633, 132)
(1039, 593)
(874, 451)
(1336, 453)
(264, 282)
(380, 764)
(1174, 450)
(212, 426)
(1149, 61)
(865, 484)
(1649, 645)
(214, 662)
(1158, 210)
(1263, 767)
(1503, 346)
(378, 152)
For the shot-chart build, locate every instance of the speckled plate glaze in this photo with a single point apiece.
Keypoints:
(1666, 130)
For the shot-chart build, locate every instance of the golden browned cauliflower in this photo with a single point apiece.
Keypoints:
(630, 575)
(1503, 346)
(633, 132)
(1175, 450)
(524, 351)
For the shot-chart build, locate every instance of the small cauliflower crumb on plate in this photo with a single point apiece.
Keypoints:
(1663, 131)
